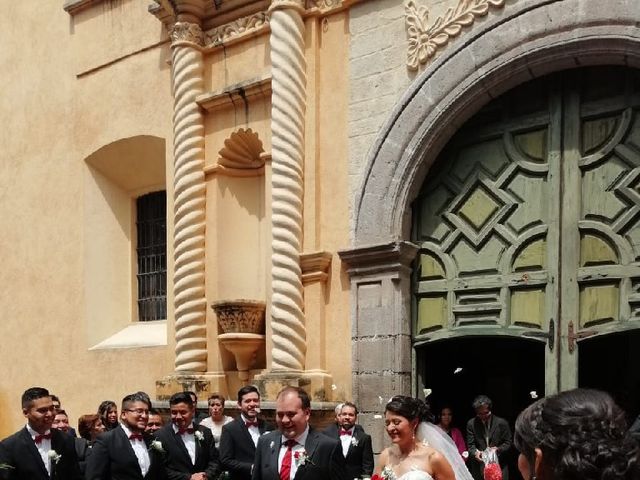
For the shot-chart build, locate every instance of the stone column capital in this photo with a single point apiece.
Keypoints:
(186, 33)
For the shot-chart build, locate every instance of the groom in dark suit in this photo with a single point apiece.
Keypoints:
(191, 453)
(296, 451)
(38, 452)
(356, 444)
(126, 452)
(239, 438)
(484, 431)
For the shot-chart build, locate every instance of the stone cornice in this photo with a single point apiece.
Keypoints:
(392, 256)
(74, 6)
(240, 93)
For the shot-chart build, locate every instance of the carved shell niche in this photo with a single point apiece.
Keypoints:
(242, 151)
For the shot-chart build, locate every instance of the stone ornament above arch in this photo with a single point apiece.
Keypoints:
(243, 150)
(425, 40)
(531, 39)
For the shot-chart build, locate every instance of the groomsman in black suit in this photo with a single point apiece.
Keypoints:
(190, 452)
(126, 452)
(356, 444)
(239, 438)
(38, 452)
(296, 451)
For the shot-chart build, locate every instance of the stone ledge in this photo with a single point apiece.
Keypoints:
(74, 6)
(136, 335)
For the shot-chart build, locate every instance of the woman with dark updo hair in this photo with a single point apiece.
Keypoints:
(578, 434)
(420, 450)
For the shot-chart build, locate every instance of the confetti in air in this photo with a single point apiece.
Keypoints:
(333, 386)
(380, 400)
(377, 415)
(427, 392)
(457, 370)
(533, 394)
(257, 409)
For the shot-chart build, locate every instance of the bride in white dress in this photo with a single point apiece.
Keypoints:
(420, 450)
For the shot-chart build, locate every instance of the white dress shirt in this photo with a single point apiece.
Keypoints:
(297, 448)
(189, 441)
(44, 447)
(253, 431)
(140, 449)
(346, 440)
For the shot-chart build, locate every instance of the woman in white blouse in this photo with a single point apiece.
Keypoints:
(216, 418)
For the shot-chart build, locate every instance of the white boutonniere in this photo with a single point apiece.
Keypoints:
(199, 435)
(54, 456)
(301, 458)
(354, 441)
(157, 446)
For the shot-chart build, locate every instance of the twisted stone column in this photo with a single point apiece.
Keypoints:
(288, 82)
(189, 200)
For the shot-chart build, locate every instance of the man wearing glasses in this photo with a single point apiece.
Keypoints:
(127, 452)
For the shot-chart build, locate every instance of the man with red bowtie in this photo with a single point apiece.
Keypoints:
(190, 452)
(38, 452)
(356, 444)
(239, 438)
(126, 452)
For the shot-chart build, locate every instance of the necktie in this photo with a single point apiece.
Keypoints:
(182, 431)
(285, 468)
(251, 424)
(136, 436)
(39, 438)
(345, 432)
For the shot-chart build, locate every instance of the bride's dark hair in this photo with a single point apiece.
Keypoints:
(410, 408)
(582, 434)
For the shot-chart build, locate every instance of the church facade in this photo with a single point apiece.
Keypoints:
(358, 197)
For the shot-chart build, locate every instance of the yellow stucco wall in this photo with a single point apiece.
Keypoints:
(87, 115)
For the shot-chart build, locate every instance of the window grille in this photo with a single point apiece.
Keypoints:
(151, 222)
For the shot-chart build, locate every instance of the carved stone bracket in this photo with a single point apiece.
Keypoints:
(240, 316)
(425, 40)
(315, 266)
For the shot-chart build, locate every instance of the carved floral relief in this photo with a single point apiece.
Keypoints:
(425, 40)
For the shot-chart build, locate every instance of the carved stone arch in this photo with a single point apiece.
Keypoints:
(505, 51)
(527, 40)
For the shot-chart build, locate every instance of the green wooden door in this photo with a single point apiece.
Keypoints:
(529, 222)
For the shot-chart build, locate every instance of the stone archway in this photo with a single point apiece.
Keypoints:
(529, 39)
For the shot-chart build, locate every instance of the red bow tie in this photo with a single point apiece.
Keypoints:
(251, 424)
(345, 432)
(39, 438)
(136, 436)
(182, 431)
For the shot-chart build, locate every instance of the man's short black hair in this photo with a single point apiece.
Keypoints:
(350, 404)
(247, 389)
(135, 397)
(181, 397)
(33, 393)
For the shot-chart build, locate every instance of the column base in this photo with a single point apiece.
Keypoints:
(317, 383)
(203, 384)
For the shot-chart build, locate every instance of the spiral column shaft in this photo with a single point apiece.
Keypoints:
(288, 82)
(189, 200)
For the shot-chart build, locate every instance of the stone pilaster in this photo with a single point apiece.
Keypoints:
(380, 277)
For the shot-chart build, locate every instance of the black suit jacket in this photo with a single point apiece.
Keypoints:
(20, 452)
(326, 461)
(177, 461)
(237, 450)
(359, 459)
(499, 436)
(112, 458)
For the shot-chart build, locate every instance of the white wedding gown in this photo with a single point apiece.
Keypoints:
(416, 475)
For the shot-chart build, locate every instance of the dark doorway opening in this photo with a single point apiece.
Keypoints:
(509, 370)
(612, 363)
